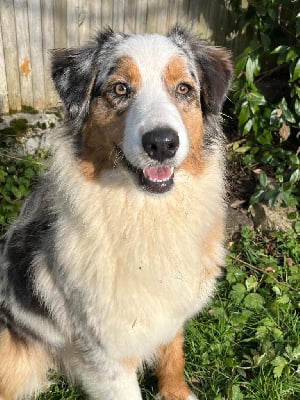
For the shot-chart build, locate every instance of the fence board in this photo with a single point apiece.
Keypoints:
(24, 56)
(31, 27)
(72, 23)
(172, 13)
(10, 53)
(36, 51)
(118, 15)
(83, 22)
(162, 16)
(95, 16)
(3, 85)
(130, 16)
(60, 23)
(106, 13)
(48, 44)
(141, 16)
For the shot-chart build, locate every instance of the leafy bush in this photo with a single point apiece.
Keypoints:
(267, 97)
(16, 176)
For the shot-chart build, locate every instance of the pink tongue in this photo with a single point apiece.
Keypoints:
(160, 173)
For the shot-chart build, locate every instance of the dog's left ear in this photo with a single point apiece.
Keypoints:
(214, 67)
(72, 73)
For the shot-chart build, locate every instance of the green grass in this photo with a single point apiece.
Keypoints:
(246, 343)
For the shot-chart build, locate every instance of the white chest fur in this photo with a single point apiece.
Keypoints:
(138, 259)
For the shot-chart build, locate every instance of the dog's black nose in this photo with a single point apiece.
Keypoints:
(161, 143)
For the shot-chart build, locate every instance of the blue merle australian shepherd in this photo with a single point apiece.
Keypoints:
(120, 242)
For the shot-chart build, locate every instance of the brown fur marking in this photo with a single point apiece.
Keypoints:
(105, 126)
(170, 371)
(23, 367)
(177, 72)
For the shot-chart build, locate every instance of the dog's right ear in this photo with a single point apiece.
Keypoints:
(72, 73)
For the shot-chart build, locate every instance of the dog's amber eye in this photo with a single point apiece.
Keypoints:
(183, 89)
(121, 89)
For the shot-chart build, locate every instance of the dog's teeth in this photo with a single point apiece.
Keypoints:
(158, 174)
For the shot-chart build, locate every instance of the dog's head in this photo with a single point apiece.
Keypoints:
(143, 102)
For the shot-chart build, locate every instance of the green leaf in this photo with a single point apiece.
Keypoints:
(251, 283)
(257, 197)
(234, 274)
(29, 173)
(297, 106)
(288, 116)
(280, 50)
(296, 352)
(263, 179)
(265, 138)
(240, 65)
(291, 55)
(236, 393)
(256, 99)
(296, 72)
(295, 177)
(248, 126)
(283, 299)
(244, 114)
(238, 292)
(254, 301)
(243, 149)
(252, 69)
(279, 363)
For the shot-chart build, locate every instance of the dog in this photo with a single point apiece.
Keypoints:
(121, 240)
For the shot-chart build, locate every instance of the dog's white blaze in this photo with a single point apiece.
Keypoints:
(152, 108)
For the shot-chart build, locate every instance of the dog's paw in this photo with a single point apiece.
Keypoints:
(191, 396)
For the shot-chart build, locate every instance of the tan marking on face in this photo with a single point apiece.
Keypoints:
(177, 72)
(170, 371)
(106, 123)
(126, 71)
(192, 119)
(190, 110)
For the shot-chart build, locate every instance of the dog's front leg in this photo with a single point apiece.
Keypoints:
(105, 379)
(111, 385)
(170, 372)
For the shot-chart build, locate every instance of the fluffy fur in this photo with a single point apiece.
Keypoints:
(120, 243)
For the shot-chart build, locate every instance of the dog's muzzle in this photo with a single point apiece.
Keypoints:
(160, 144)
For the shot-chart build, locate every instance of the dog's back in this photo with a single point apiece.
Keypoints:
(121, 241)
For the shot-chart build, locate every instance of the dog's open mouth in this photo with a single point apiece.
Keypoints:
(158, 179)
(154, 179)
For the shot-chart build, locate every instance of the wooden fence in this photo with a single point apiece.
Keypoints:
(29, 28)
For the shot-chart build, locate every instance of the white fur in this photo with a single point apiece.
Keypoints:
(138, 259)
(153, 107)
(111, 381)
